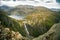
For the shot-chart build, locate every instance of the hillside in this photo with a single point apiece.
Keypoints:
(12, 23)
(41, 21)
(5, 19)
(5, 8)
(24, 10)
(52, 34)
(9, 34)
(9, 22)
(54, 9)
(36, 21)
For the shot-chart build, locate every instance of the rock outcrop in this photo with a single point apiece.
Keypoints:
(52, 34)
(7, 34)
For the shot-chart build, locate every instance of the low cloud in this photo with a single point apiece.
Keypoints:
(46, 3)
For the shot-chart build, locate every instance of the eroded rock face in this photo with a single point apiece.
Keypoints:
(7, 34)
(52, 34)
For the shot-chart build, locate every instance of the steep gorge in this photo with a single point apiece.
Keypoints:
(38, 22)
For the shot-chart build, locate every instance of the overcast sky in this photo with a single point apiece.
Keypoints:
(46, 3)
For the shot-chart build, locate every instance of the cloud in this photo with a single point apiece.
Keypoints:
(46, 3)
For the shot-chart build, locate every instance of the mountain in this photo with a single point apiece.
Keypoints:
(36, 16)
(6, 20)
(24, 10)
(41, 21)
(54, 9)
(12, 23)
(37, 20)
(52, 34)
(6, 8)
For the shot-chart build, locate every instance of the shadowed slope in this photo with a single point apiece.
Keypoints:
(52, 34)
(40, 21)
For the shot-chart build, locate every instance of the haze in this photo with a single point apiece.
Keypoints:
(45, 3)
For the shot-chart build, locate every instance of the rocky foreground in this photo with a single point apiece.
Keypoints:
(52, 34)
(7, 34)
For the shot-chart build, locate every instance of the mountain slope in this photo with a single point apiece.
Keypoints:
(41, 21)
(24, 10)
(52, 34)
(38, 20)
(54, 9)
(11, 23)
(5, 20)
(6, 8)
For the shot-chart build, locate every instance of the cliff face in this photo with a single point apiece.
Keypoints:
(52, 34)
(8, 34)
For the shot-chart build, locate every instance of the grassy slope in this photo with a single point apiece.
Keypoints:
(41, 20)
(38, 21)
(52, 34)
(10, 23)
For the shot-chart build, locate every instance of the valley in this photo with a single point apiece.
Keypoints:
(32, 23)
